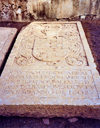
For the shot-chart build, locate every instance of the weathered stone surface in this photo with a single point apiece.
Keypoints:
(63, 8)
(50, 72)
(6, 37)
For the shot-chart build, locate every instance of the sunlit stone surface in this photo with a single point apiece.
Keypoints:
(51, 72)
(6, 37)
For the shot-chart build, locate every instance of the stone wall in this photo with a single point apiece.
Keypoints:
(9, 9)
(41, 9)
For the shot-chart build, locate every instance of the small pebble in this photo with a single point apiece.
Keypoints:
(73, 120)
(83, 17)
(46, 121)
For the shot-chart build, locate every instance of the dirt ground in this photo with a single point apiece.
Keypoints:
(18, 122)
(92, 31)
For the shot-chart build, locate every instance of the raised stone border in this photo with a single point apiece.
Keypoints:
(31, 86)
(6, 38)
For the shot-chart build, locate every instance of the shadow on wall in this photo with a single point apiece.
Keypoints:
(41, 9)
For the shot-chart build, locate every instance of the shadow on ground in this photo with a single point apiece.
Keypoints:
(18, 122)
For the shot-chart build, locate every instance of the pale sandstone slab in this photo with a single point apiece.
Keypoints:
(6, 37)
(50, 72)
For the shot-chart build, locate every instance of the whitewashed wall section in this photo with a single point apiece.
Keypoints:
(63, 8)
(37, 9)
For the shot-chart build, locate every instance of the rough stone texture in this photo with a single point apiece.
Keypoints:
(36, 9)
(6, 37)
(51, 73)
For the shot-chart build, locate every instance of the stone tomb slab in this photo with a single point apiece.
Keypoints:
(6, 37)
(50, 72)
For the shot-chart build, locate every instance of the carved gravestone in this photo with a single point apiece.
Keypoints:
(51, 72)
(6, 37)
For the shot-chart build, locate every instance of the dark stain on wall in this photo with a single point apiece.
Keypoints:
(42, 9)
(75, 7)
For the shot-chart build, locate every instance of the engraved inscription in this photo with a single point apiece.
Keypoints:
(53, 83)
